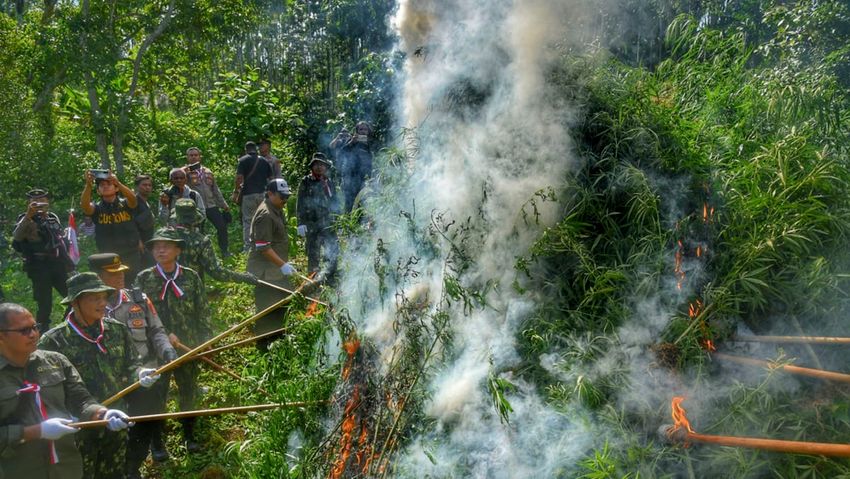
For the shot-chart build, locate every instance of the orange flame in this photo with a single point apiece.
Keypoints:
(694, 309)
(677, 269)
(680, 420)
(708, 345)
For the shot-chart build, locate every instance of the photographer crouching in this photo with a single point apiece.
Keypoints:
(39, 238)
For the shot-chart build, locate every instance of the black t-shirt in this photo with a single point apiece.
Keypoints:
(256, 182)
(115, 231)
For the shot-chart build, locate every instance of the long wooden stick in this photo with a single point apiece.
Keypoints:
(810, 372)
(285, 290)
(199, 412)
(792, 339)
(219, 367)
(241, 342)
(681, 435)
(191, 354)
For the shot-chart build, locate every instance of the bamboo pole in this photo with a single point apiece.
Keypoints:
(791, 339)
(191, 354)
(198, 413)
(241, 342)
(219, 367)
(680, 434)
(285, 290)
(810, 372)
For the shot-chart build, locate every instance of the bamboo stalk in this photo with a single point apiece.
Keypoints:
(198, 412)
(241, 342)
(219, 367)
(191, 354)
(791, 339)
(285, 290)
(776, 445)
(810, 372)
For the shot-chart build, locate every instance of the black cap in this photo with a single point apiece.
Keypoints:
(250, 146)
(109, 262)
(37, 193)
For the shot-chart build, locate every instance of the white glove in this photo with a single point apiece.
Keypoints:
(302, 230)
(56, 427)
(287, 269)
(146, 378)
(117, 420)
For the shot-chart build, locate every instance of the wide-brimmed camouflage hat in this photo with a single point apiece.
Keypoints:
(319, 158)
(166, 234)
(186, 212)
(87, 282)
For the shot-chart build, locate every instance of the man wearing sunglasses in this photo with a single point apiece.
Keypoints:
(39, 393)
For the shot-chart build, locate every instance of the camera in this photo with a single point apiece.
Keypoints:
(195, 166)
(100, 174)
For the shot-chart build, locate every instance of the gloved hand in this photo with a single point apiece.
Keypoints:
(302, 230)
(147, 378)
(169, 355)
(56, 427)
(117, 420)
(287, 269)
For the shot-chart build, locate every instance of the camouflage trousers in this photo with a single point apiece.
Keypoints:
(103, 453)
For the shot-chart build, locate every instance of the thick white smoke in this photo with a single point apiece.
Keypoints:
(490, 134)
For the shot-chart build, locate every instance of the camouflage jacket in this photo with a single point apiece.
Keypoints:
(133, 308)
(181, 306)
(198, 254)
(103, 373)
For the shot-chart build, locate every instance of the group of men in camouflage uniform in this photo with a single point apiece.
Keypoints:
(113, 336)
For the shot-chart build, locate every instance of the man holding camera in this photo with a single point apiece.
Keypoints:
(202, 180)
(38, 236)
(115, 229)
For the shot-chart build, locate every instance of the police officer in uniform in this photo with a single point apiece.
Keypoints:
(133, 308)
(39, 237)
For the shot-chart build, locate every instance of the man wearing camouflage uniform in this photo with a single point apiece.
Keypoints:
(103, 352)
(197, 252)
(133, 308)
(178, 295)
(40, 393)
(38, 236)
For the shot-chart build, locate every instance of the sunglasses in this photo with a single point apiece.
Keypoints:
(23, 331)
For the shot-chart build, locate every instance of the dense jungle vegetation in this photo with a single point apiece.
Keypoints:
(712, 200)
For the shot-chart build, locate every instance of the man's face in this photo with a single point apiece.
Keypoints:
(165, 252)
(115, 280)
(277, 200)
(44, 201)
(90, 306)
(146, 187)
(265, 148)
(21, 336)
(178, 179)
(106, 189)
(362, 130)
(193, 156)
(319, 169)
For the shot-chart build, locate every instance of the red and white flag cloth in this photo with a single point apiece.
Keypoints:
(71, 235)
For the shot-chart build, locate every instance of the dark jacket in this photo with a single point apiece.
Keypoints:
(318, 202)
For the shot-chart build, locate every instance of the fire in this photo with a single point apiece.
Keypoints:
(680, 420)
(694, 309)
(708, 345)
(677, 269)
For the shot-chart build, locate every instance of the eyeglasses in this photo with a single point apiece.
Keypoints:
(23, 331)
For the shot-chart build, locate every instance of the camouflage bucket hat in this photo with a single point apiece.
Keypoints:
(166, 234)
(186, 212)
(87, 282)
